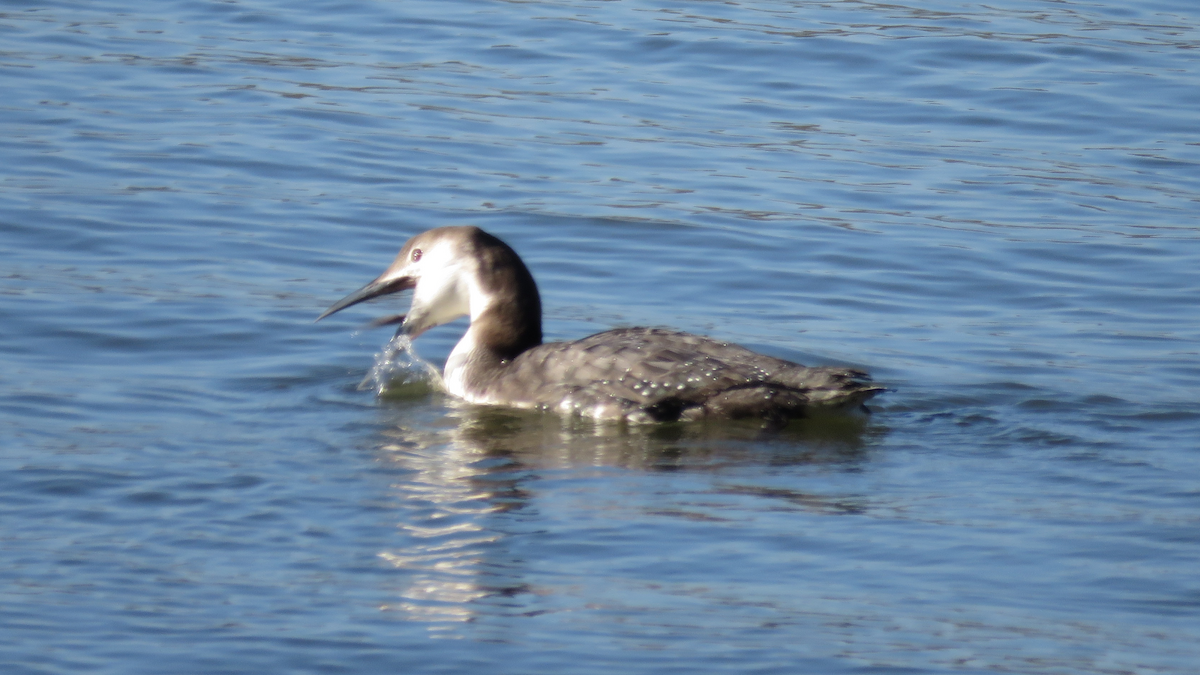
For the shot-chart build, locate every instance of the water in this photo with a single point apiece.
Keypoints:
(399, 372)
(992, 207)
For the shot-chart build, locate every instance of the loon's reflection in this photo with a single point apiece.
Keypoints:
(470, 492)
(546, 440)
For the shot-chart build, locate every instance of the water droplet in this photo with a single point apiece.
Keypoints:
(398, 368)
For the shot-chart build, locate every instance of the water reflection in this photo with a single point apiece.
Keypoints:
(472, 492)
(548, 440)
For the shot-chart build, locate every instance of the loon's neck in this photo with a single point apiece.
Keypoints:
(481, 358)
(506, 318)
(506, 312)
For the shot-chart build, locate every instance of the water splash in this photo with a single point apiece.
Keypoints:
(399, 372)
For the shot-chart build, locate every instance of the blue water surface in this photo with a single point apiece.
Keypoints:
(993, 207)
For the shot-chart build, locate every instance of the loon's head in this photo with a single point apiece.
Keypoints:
(459, 271)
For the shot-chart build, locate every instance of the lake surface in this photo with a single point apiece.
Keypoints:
(993, 207)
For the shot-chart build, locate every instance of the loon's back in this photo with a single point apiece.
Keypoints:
(650, 374)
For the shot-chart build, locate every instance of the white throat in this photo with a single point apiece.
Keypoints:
(456, 367)
(448, 288)
(461, 358)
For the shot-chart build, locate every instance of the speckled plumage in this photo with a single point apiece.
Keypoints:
(633, 374)
(650, 374)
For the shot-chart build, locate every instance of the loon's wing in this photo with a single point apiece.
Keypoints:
(657, 374)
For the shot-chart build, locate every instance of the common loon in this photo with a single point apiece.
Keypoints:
(633, 374)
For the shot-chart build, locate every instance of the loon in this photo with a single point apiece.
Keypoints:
(632, 374)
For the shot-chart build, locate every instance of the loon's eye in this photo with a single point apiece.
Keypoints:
(416, 254)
